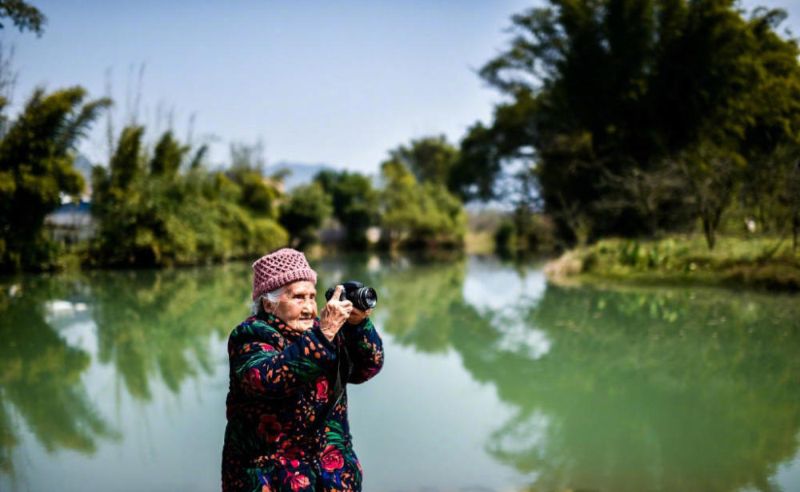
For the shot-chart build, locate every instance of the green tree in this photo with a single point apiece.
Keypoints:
(431, 159)
(598, 89)
(474, 174)
(355, 202)
(116, 198)
(23, 15)
(304, 213)
(167, 156)
(36, 170)
(419, 214)
(258, 193)
(713, 175)
(167, 209)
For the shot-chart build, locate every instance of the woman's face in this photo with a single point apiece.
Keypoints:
(297, 305)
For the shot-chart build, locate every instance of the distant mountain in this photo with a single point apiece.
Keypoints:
(300, 173)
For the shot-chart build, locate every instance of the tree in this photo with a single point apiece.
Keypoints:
(166, 209)
(658, 195)
(127, 162)
(258, 193)
(23, 15)
(36, 169)
(474, 174)
(167, 156)
(355, 203)
(419, 214)
(609, 88)
(713, 175)
(305, 211)
(431, 159)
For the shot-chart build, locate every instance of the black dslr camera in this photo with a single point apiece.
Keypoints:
(362, 297)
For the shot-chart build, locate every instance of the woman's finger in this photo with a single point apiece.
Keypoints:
(337, 294)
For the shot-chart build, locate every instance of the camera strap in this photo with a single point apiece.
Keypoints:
(344, 367)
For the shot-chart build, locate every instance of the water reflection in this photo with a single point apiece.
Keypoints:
(664, 390)
(626, 390)
(148, 326)
(153, 324)
(40, 375)
(613, 390)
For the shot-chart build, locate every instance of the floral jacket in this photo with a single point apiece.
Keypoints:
(287, 406)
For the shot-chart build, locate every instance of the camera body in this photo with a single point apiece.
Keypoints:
(362, 297)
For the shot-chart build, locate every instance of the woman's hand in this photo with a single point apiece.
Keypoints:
(357, 316)
(334, 314)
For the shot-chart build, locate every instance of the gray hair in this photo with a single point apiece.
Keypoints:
(271, 296)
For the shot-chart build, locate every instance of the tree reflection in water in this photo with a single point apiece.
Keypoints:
(157, 323)
(150, 326)
(638, 389)
(40, 375)
(660, 389)
(620, 390)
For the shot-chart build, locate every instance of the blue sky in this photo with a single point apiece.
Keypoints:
(315, 82)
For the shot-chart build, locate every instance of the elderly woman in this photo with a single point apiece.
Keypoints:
(287, 404)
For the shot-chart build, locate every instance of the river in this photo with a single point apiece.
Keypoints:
(494, 380)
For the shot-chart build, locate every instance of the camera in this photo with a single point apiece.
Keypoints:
(361, 296)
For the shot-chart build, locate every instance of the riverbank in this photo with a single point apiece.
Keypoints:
(735, 262)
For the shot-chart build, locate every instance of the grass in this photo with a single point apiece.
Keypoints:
(753, 262)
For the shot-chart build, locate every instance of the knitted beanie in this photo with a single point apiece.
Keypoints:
(278, 269)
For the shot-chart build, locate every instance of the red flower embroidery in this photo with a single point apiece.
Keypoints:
(253, 380)
(266, 347)
(289, 454)
(322, 389)
(332, 459)
(298, 482)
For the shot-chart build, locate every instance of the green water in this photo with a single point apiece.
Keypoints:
(494, 381)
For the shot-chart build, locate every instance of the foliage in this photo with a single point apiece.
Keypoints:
(162, 210)
(759, 262)
(258, 194)
(474, 175)
(167, 156)
(355, 203)
(304, 213)
(770, 198)
(23, 15)
(419, 214)
(524, 232)
(430, 159)
(601, 93)
(713, 175)
(36, 169)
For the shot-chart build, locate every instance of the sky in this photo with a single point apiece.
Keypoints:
(339, 83)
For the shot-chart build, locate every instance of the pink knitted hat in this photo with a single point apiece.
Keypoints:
(278, 269)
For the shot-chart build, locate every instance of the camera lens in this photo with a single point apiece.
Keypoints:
(365, 298)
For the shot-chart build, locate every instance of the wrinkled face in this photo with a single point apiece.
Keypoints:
(297, 306)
